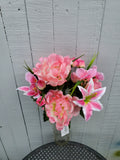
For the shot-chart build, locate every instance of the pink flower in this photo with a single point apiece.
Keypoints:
(76, 109)
(59, 108)
(32, 90)
(78, 63)
(53, 69)
(83, 74)
(97, 83)
(40, 84)
(98, 76)
(39, 102)
(90, 101)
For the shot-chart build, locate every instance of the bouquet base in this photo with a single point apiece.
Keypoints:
(60, 140)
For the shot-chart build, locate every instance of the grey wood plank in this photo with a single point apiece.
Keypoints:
(15, 21)
(65, 34)
(89, 27)
(65, 26)
(107, 61)
(114, 147)
(13, 133)
(3, 154)
(40, 16)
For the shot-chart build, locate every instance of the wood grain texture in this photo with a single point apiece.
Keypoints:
(41, 34)
(90, 17)
(115, 143)
(108, 62)
(3, 154)
(15, 21)
(65, 36)
(13, 133)
(89, 27)
(30, 29)
(65, 25)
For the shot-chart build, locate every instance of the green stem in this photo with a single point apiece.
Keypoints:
(77, 58)
(75, 86)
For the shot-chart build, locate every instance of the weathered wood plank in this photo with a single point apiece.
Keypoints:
(14, 17)
(65, 26)
(89, 30)
(89, 27)
(3, 154)
(41, 34)
(13, 133)
(108, 62)
(115, 144)
(65, 36)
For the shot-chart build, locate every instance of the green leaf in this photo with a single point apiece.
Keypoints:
(92, 60)
(77, 58)
(69, 76)
(28, 68)
(76, 84)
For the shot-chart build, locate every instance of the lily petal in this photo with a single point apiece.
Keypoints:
(30, 78)
(98, 93)
(96, 106)
(23, 88)
(30, 93)
(79, 102)
(87, 110)
(90, 87)
(83, 91)
(81, 73)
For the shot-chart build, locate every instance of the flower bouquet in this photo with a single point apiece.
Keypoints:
(64, 87)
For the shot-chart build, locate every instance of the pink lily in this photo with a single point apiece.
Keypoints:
(90, 101)
(98, 76)
(40, 101)
(35, 85)
(83, 74)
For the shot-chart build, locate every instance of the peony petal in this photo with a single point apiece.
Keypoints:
(87, 110)
(23, 88)
(90, 87)
(52, 120)
(30, 78)
(96, 106)
(76, 111)
(59, 126)
(83, 91)
(98, 93)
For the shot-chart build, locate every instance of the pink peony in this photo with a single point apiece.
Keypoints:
(53, 69)
(78, 63)
(59, 108)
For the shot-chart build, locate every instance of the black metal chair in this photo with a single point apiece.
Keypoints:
(70, 151)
